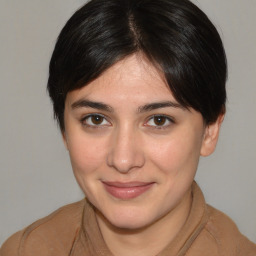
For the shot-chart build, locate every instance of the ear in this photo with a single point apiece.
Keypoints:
(211, 135)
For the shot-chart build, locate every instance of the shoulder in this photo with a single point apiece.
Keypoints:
(222, 237)
(52, 235)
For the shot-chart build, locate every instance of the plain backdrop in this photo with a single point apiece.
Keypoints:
(35, 173)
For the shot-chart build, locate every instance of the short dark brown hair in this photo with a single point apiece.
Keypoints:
(174, 35)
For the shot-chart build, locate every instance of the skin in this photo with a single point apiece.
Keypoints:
(123, 142)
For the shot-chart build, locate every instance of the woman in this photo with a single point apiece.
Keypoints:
(138, 90)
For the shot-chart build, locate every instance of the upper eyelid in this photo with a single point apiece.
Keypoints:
(172, 119)
(94, 114)
(160, 127)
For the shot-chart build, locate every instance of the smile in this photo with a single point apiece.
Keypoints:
(128, 190)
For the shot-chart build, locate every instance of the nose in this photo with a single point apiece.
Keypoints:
(126, 152)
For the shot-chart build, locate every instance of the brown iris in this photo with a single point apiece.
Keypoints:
(96, 119)
(159, 120)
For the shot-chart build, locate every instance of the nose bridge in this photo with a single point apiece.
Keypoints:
(125, 152)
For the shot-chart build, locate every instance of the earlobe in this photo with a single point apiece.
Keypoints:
(211, 136)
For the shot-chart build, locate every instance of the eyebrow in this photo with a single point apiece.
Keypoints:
(91, 104)
(83, 103)
(157, 105)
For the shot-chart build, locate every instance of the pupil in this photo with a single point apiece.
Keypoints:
(159, 120)
(97, 119)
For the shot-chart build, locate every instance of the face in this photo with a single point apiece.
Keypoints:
(134, 150)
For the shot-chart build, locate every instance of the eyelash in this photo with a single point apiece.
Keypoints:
(102, 117)
(85, 118)
(164, 126)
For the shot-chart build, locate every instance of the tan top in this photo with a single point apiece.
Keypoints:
(73, 231)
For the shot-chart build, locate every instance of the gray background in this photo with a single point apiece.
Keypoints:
(36, 176)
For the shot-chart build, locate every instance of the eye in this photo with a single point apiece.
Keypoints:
(95, 120)
(159, 121)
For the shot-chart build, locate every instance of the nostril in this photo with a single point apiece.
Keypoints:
(125, 153)
(125, 161)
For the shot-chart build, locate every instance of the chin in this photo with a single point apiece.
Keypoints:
(129, 224)
(130, 218)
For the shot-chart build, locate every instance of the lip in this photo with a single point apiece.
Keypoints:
(127, 190)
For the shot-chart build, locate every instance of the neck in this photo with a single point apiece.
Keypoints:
(149, 240)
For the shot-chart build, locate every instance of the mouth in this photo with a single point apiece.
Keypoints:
(127, 190)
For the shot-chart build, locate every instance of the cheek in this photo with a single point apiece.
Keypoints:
(86, 154)
(178, 154)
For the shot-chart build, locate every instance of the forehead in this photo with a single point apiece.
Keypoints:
(131, 79)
